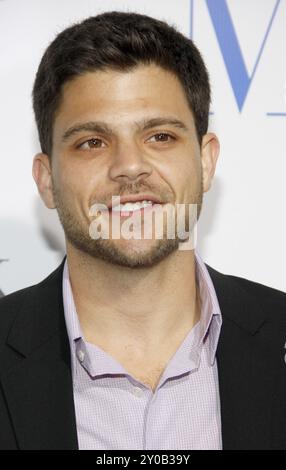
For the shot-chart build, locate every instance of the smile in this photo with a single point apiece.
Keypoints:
(130, 207)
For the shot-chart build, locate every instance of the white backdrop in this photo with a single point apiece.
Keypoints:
(242, 230)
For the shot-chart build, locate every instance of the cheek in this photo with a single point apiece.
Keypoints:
(184, 174)
(78, 189)
(69, 177)
(66, 190)
(191, 181)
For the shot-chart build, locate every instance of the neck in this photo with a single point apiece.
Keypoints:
(140, 307)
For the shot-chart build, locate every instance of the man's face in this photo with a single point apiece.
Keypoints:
(125, 158)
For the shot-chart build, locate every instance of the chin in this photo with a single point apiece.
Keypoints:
(135, 253)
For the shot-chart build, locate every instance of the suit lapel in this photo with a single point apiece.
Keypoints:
(250, 367)
(36, 377)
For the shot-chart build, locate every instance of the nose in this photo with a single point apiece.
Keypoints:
(129, 164)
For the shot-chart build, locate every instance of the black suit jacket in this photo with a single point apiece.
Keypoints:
(36, 393)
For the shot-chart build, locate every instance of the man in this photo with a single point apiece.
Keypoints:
(134, 343)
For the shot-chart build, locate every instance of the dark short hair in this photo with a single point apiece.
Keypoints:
(120, 41)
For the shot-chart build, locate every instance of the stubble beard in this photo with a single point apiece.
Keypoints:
(109, 250)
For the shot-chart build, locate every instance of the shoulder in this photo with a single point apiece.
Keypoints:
(11, 303)
(250, 297)
(29, 300)
(253, 287)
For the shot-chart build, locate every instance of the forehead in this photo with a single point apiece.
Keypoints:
(122, 97)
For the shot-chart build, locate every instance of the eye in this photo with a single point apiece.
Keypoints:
(90, 144)
(163, 137)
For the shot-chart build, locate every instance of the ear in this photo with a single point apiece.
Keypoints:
(42, 175)
(209, 154)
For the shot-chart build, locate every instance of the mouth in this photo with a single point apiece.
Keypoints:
(133, 204)
(129, 208)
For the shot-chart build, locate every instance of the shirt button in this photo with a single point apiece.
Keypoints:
(137, 391)
(80, 355)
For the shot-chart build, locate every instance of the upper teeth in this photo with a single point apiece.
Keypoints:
(130, 206)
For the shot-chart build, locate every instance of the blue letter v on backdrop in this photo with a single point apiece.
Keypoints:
(230, 48)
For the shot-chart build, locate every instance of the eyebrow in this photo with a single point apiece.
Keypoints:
(103, 128)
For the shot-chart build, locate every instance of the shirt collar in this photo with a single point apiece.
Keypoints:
(211, 318)
(71, 317)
